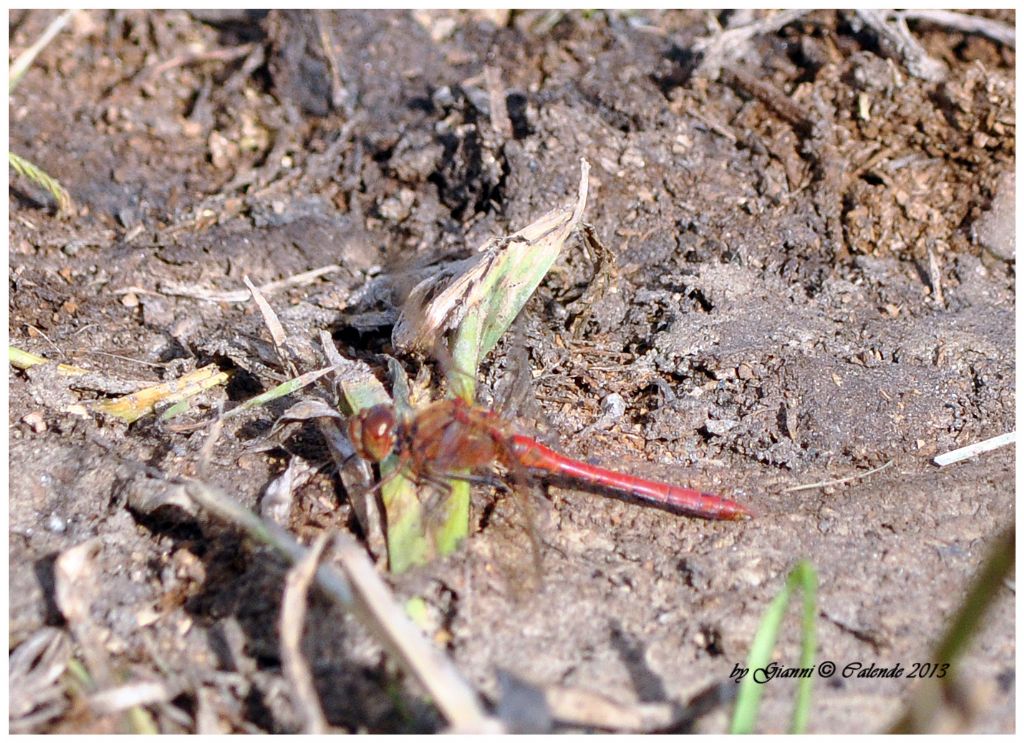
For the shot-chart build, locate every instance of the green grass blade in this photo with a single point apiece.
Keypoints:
(806, 578)
(282, 390)
(933, 692)
(748, 700)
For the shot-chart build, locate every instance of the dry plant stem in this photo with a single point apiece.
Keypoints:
(994, 30)
(27, 57)
(727, 46)
(293, 617)
(500, 121)
(121, 698)
(827, 483)
(899, 42)
(238, 295)
(226, 54)
(360, 590)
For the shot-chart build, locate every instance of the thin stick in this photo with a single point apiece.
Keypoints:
(827, 483)
(966, 452)
(293, 617)
(995, 30)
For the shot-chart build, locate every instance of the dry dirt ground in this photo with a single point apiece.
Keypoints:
(812, 276)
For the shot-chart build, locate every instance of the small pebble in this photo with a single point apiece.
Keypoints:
(995, 229)
(56, 524)
(613, 406)
(35, 421)
(719, 427)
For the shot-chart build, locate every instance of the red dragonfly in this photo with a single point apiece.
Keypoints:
(453, 435)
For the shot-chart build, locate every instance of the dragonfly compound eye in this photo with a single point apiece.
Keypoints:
(372, 432)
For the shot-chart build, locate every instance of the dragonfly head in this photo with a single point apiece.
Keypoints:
(372, 432)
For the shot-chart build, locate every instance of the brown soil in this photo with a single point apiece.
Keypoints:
(813, 276)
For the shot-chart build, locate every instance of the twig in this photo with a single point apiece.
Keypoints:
(827, 483)
(966, 452)
(771, 96)
(339, 95)
(293, 617)
(995, 30)
(360, 590)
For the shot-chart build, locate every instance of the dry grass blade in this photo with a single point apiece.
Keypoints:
(293, 617)
(274, 326)
(514, 260)
(237, 295)
(27, 57)
(132, 407)
(123, 698)
(431, 668)
(75, 586)
(35, 670)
